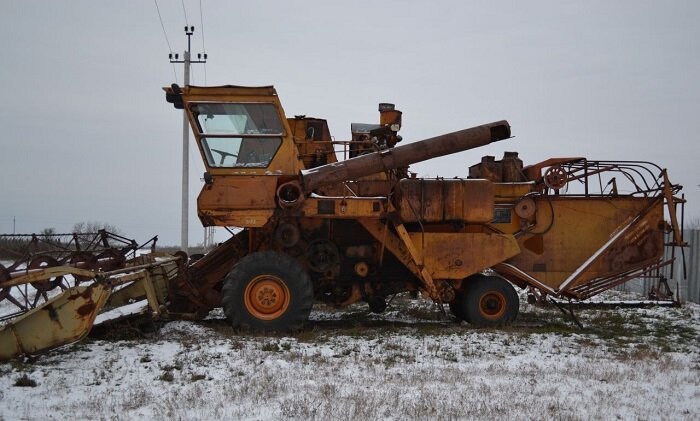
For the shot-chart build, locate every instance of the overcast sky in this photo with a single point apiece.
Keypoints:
(86, 134)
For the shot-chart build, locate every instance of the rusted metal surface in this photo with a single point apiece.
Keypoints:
(392, 242)
(69, 315)
(52, 293)
(364, 228)
(452, 255)
(571, 231)
(63, 319)
(198, 289)
(534, 172)
(245, 201)
(63, 247)
(344, 207)
(507, 170)
(359, 229)
(591, 239)
(418, 259)
(44, 260)
(285, 160)
(313, 140)
(405, 155)
(445, 200)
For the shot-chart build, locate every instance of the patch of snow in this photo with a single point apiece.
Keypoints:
(139, 307)
(407, 363)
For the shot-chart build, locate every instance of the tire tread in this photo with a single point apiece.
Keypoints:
(293, 274)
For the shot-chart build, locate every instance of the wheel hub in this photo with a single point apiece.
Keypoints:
(267, 297)
(492, 305)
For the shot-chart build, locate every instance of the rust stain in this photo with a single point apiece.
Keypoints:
(53, 315)
(86, 309)
(643, 244)
(87, 294)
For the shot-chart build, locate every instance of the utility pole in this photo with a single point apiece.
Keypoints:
(201, 58)
(208, 238)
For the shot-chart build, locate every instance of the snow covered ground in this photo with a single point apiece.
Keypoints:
(408, 363)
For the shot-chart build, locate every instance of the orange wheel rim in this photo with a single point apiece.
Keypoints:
(492, 305)
(266, 297)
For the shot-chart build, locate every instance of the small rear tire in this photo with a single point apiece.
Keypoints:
(490, 301)
(267, 291)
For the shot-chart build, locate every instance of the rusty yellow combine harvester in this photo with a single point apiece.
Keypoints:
(312, 227)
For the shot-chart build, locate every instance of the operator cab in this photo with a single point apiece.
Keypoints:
(238, 135)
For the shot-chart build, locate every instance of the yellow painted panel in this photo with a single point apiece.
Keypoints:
(576, 229)
(241, 192)
(511, 191)
(458, 255)
(350, 207)
(237, 218)
(61, 320)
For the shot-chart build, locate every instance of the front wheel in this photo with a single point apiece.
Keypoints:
(456, 308)
(267, 291)
(490, 301)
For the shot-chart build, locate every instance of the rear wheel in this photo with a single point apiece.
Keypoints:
(267, 291)
(457, 306)
(490, 301)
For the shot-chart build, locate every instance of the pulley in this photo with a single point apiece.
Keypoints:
(287, 235)
(322, 255)
(525, 208)
(555, 178)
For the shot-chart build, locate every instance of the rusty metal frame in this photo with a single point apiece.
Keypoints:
(62, 246)
(599, 285)
(70, 315)
(108, 251)
(592, 259)
(647, 178)
(654, 179)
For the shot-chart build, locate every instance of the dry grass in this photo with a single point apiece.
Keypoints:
(631, 363)
(25, 381)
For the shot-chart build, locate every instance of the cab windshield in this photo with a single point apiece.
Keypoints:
(235, 135)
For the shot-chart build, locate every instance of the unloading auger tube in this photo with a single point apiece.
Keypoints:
(404, 155)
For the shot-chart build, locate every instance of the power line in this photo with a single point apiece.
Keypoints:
(201, 21)
(185, 12)
(167, 41)
(204, 49)
(163, 26)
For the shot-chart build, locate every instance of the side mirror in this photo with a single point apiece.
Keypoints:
(175, 98)
(208, 179)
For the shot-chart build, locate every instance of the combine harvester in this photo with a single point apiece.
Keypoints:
(314, 228)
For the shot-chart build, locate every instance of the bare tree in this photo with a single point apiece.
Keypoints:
(48, 236)
(93, 227)
(46, 233)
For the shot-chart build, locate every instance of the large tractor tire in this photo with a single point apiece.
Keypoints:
(490, 301)
(267, 291)
(456, 308)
